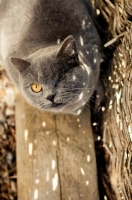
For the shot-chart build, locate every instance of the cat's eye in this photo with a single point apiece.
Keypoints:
(36, 87)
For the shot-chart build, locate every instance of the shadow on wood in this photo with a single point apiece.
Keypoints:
(55, 155)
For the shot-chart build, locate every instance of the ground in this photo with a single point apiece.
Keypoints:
(8, 175)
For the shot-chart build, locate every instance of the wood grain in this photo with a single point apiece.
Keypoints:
(55, 155)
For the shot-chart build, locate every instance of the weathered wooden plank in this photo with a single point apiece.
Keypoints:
(55, 155)
(76, 157)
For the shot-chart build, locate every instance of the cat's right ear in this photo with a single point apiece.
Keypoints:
(20, 64)
(68, 50)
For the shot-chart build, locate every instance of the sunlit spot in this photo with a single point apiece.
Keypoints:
(58, 41)
(94, 124)
(36, 194)
(30, 148)
(44, 124)
(98, 11)
(80, 96)
(54, 143)
(98, 138)
(68, 139)
(26, 134)
(82, 171)
(37, 181)
(83, 24)
(53, 164)
(105, 197)
(74, 77)
(79, 125)
(95, 60)
(88, 158)
(87, 182)
(55, 181)
(79, 111)
(81, 41)
(87, 68)
(78, 120)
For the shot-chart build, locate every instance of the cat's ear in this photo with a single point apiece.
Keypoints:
(68, 49)
(19, 63)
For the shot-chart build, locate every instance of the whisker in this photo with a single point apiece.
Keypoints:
(31, 117)
(23, 109)
(39, 115)
(95, 103)
(88, 105)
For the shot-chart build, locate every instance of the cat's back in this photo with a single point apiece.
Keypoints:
(26, 25)
(41, 14)
(58, 18)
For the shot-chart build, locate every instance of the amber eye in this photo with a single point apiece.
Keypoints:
(36, 87)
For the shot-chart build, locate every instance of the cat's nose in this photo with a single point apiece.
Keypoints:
(51, 97)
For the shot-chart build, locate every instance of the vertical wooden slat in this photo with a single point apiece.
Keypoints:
(77, 165)
(22, 156)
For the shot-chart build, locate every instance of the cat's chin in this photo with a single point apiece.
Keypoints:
(64, 109)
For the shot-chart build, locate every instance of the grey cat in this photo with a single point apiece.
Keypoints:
(51, 51)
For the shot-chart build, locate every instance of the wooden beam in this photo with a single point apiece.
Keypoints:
(55, 155)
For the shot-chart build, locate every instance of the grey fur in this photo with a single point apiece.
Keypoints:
(53, 43)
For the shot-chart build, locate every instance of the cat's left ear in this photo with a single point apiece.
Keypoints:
(68, 49)
(20, 64)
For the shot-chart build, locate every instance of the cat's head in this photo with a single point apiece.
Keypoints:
(57, 78)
